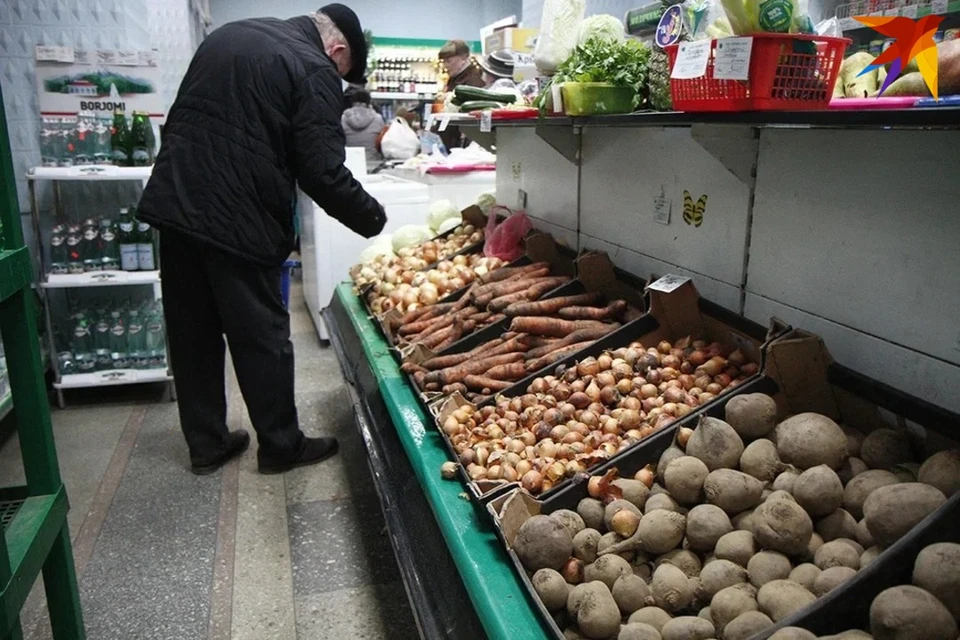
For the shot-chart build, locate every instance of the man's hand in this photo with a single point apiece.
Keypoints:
(377, 221)
(368, 223)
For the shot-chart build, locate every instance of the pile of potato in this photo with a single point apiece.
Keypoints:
(416, 258)
(749, 521)
(587, 413)
(410, 290)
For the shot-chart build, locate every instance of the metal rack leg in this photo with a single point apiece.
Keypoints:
(173, 391)
(60, 584)
(60, 401)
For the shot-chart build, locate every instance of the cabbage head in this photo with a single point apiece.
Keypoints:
(381, 246)
(603, 27)
(486, 202)
(439, 211)
(410, 236)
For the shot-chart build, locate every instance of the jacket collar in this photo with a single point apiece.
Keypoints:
(309, 28)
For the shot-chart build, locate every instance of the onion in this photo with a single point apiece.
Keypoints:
(604, 362)
(593, 392)
(664, 347)
(683, 437)
(606, 379)
(737, 358)
(588, 367)
(646, 476)
(572, 571)
(609, 395)
(532, 481)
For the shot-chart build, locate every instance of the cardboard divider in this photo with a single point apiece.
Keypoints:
(801, 376)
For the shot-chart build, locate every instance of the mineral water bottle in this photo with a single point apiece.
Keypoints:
(109, 245)
(90, 249)
(74, 248)
(59, 256)
(81, 341)
(146, 252)
(136, 340)
(118, 340)
(101, 339)
(156, 346)
(120, 139)
(127, 239)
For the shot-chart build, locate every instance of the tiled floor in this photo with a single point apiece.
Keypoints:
(165, 555)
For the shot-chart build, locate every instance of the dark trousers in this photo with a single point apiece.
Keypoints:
(207, 294)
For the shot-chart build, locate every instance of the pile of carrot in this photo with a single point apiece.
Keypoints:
(440, 325)
(540, 333)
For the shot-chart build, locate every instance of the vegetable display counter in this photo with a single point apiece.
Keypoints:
(457, 574)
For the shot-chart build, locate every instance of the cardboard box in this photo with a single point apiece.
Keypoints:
(511, 39)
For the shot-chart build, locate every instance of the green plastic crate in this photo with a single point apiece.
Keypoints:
(596, 98)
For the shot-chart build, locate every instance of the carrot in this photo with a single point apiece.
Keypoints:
(411, 368)
(452, 360)
(532, 292)
(424, 322)
(457, 387)
(551, 305)
(508, 286)
(478, 365)
(464, 299)
(512, 345)
(509, 334)
(610, 312)
(416, 314)
(504, 273)
(485, 384)
(418, 378)
(431, 386)
(581, 335)
(447, 320)
(441, 338)
(554, 327)
(513, 371)
(559, 354)
(481, 317)
(535, 342)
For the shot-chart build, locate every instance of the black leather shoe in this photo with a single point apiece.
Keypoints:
(237, 443)
(314, 450)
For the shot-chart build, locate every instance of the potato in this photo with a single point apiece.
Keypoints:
(737, 547)
(761, 461)
(607, 569)
(661, 501)
(883, 448)
(731, 602)
(746, 625)
(616, 506)
(684, 479)
(838, 524)
(850, 469)
(706, 524)
(792, 633)
(591, 511)
(634, 491)
(752, 415)
(818, 490)
(805, 575)
(768, 566)
(638, 631)
(870, 555)
(585, 545)
(836, 554)
(781, 525)
(594, 610)
(743, 521)
(937, 569)
(686, 561)
(672, 453)
(810, 439)
(542, 543)
(551, 588)
(653, 616)
(850, 634)
(631, 593)
(853, 543)
(786, 480)
(893, 510)
(864, 538)
(907, 612)
(732, 491)
(782, 598)
(779, 495)
(862, 486)
(661, 531)
(854, 440)
(942, 470)
(716, 444)
(906, 471)
(717, 576)
(815, 543)
(572, 633)
(570, 520)
(830, 579)
(687, 628)
(671, 588)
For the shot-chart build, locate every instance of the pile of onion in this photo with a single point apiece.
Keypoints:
(567, 423)
(408, 290)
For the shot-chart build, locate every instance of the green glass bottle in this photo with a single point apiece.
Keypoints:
(120, 140)
(141, 153)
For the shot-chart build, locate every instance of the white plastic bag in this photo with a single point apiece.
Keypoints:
(400, 142)
(559, 31)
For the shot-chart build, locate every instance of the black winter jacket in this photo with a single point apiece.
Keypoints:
(258, 111)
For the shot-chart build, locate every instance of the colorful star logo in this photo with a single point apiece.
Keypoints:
(913, 39)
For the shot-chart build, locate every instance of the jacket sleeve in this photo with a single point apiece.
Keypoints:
(319, 149)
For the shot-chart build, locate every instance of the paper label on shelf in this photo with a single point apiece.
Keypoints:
(149, 58)
(692, 60)
(849, 24)
(668, 283)
(909, 11)
(107, 56)
(47, 54)
(486, 121)
(939, 6)
(732, 59)
(444, 121)
(128, 58)
(661, 210)
(82, 56)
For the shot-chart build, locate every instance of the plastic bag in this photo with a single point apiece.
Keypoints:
(559, 31)
(400, 142)
(504, 240)
(707, 19)
(829, 27)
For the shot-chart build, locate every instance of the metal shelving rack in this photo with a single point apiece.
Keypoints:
(48, 281)
(33, 518)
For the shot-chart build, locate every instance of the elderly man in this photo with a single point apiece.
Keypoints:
(257, 113)
(457, 62)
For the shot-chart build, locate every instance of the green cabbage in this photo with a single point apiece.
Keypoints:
(410, 235)
(486, 202)
(602, 27)
(439, 211)
(381, 246)
(449, 225)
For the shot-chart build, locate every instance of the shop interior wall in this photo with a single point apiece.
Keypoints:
(408, 19)
(849, 234)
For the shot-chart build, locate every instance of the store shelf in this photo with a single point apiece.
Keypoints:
(100, 279)
(851, 26)
(391, 95)
(90, 172)
(15, 272)
(111, 378)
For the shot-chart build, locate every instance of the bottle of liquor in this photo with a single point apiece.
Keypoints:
(90, 249)
(120, 140)
(74, 248)
(142, 151)
(146, 251)
(59, 258)
(109, 244)
(127, 241)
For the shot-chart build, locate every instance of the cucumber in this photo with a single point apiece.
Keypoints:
(465, 93)
(479, 105)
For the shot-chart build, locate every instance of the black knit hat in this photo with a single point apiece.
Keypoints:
(349, 25)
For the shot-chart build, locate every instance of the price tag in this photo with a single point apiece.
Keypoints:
(47, 54)
(444, 121)
(732, 59)
(107, 56)
(82, 56)
(692, 60)
(128, 58)
(486, 121)
(849, 24)
(148, 58)
(910, 11)
(938, 6)
(668, 283)
(661, 210)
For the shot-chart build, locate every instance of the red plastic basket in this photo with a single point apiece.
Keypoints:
(788, 72)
